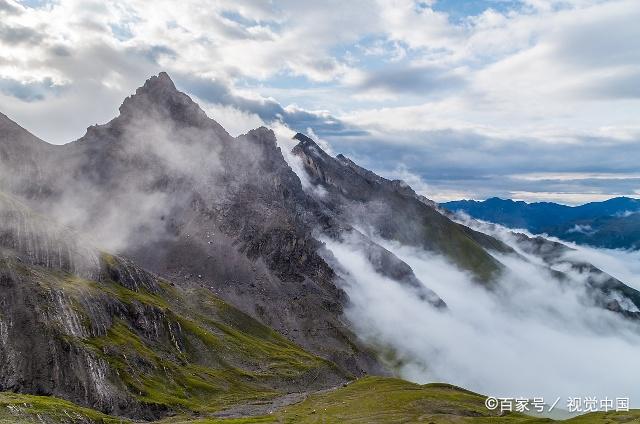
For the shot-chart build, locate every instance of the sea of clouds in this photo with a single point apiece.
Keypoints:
(530, 336)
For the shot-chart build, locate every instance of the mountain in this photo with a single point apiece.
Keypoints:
(100, 331)
(614, 223)
(393, 211)
(168, 187)
(365, 199)
(158, 266)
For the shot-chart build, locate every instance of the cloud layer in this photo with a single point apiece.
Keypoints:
(467, 97)
(532, 336)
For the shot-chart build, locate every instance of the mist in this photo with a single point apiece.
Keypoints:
(622, 264)
(531, 335)
(125, 180)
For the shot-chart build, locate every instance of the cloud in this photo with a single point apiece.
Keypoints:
(9, 8)
(584, 229)
(28, 92)
(531, 336)
(425, 80)
(472, 165)
(622, 264)
(267, 109)
(493, 84)
(19, 35)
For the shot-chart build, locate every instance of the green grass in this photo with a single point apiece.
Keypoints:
(192, 353)
(389, 400)
(225, 357)
(607, 418)
(19, 409)
(369, 400)
(213, 371)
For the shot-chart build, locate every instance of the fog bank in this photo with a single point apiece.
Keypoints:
(530, 336)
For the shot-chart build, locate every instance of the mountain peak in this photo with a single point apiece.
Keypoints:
(162, 81)
(310, 147)
(157, 89)
(160, 94)
(304, 139)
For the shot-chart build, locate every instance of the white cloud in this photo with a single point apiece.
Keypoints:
(538, 73)
(530, 336)
(622, 264)
(233, 120)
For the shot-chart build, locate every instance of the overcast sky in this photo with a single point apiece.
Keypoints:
(530, 99)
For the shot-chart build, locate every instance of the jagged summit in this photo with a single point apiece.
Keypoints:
(156, 101)
(159, 98)
(309, 147)
(303, 138)
(159, 86)
(161, 83)
(162, 79)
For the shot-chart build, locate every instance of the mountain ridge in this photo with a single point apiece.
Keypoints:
(614, 223)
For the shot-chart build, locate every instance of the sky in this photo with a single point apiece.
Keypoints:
(526, 99)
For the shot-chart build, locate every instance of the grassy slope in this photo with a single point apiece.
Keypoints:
(369, 400)
(388, 400)
(19, 409)
(242, 358)
(227, 357)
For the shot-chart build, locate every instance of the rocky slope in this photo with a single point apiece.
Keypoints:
(114, 337)
(392, 210)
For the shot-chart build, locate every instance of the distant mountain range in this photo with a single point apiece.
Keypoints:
(614, 223)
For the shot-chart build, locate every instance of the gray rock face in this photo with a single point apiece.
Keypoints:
(392, 210)
(42, 242)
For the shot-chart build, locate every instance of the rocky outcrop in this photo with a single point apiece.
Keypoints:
(392, 210)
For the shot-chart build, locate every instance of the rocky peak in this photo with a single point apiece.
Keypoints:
(160, 82)
(308, 147)
(336, 173)
(159, 95)
(158, 88)
(263, 141)
(264, 136)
